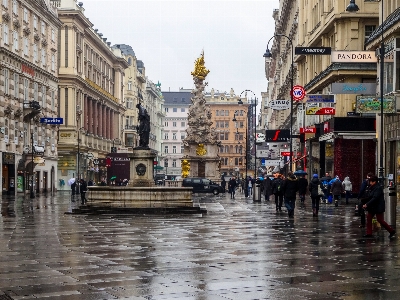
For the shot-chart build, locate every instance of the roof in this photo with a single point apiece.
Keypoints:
(182, 98)
(125, 49)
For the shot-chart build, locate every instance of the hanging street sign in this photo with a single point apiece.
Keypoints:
(320, 111)
(317, 98)
(279, 104)
(312, 50)
(354, 88)
(51, 120)
(372, 105)
(308, 130)
(298, 93)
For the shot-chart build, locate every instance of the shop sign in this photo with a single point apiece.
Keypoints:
(321, 111)
(285, 153)
(308, 130)
(372, 105)
(354, 56)
(317, 98)
(8, 158)
(312, 50)
(269, 162)
(279, 104)
(354, 88)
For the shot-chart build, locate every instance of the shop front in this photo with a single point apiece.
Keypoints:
(8, 173)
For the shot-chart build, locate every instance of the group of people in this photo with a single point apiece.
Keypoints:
(285, 189)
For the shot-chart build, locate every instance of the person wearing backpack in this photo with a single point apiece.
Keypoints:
(278, 192)
(290, 189)
(315, 193)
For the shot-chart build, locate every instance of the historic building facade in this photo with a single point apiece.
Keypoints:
(91, 88)
(28, 92)
(176, 105)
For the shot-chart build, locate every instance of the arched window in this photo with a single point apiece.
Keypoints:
(236, 149)
(231, 149)
(129, 61)
(226, 149)
(221, 149)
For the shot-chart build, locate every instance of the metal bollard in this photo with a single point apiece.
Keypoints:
(390, 206)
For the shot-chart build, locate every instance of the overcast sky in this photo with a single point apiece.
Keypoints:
(168, 36)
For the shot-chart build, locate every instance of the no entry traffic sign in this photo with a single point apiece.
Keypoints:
(298, 93)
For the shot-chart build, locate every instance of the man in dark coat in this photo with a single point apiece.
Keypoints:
(232, 187)
(83, 189)
(267, 187)
(363, 197)
(376, 206)
(303, 185)
(290, 188)
(277, 190)
(315, 195)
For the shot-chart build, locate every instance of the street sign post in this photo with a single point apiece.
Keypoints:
(52, 121)
(298, 93)
(318, 98)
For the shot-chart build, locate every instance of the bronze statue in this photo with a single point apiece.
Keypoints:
(144, 127)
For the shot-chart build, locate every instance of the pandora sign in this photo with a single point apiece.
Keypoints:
(354, 56)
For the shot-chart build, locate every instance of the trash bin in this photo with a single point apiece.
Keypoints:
(390, 206)
(257, 191)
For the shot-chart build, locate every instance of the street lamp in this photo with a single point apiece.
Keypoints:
(268, 55)
(32, 194)
(78, 119)
(246, 191)
(353, 7)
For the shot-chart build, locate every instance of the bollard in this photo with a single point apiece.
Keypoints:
(390, 206)
(257, 191)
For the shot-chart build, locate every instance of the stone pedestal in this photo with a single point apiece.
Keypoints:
(142, 167)
(203, 163)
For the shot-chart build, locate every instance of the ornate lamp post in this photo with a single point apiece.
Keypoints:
(268, 55)
(32, 193)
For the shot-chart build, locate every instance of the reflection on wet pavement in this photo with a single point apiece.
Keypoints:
(238, 250)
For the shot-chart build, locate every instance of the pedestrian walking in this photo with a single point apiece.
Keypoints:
(83, 189)
(336, 189)
(303, 185)
(376, 206)
(223, 183)
(250, 186)
(73, 188)
(267, 187)
(277, 190)
(290, 189)
(232, 186)
(363, 197)
(326, 187)
(348, 187)
(315, 189)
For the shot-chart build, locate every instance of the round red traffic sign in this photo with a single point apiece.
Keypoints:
(298, 93)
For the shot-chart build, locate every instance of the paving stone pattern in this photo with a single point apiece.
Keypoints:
(238, 250)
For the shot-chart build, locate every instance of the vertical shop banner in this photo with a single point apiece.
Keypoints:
(20, 183)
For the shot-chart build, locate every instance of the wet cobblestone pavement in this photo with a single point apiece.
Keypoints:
(238, 250)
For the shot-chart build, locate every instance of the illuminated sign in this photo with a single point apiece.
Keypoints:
(372, 105)
(278, 135)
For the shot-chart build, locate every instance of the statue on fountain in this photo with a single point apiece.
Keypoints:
(143, 128)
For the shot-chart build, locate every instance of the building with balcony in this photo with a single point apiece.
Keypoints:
(28, 92)
(176, 107)
(91, 86)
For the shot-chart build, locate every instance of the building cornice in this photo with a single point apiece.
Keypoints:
(390, 22)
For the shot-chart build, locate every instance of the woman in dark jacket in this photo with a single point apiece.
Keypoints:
(315, 197)
(303, 184)
(232, 187)
(267, 187)
(277, 190)
(290, 188)
(376, 206)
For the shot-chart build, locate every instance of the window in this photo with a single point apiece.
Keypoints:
(369, 29)
(34, 22)
(53, 62)
(173, 124)
(236, 161)
(165, 124)
(175, 100)
(174, 163)
(166, 149)
(26, 89)
(26, 46)
(15, 7)
(221, 113)
(16, 85)
(15, 40)
(173, 149)
(43, 57)
(129, 85)
(35, 91)
(52, 100)
(174, 135)
(217, 112)
(165, 135)
(166, 109)
(25, 15)
(226, 113)
(182, 109)
(226, 124)
(183, 100)
(166, 163)
(182, 148)
(183, 124)
(43, 27)
(35, 52)
(183, 135)
(43, 96)
(16, 132)
(5, 33)
(174, 109)
(6, 81)
(5, 3)
(53, 35)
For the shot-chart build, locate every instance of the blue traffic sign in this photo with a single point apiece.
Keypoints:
(51, 120)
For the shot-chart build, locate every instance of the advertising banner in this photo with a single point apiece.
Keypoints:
(354, 88)
(20, 183)
(279, 104)
(317, 98)
(372, 105)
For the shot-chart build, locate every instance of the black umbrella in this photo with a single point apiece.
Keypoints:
(300, 173)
